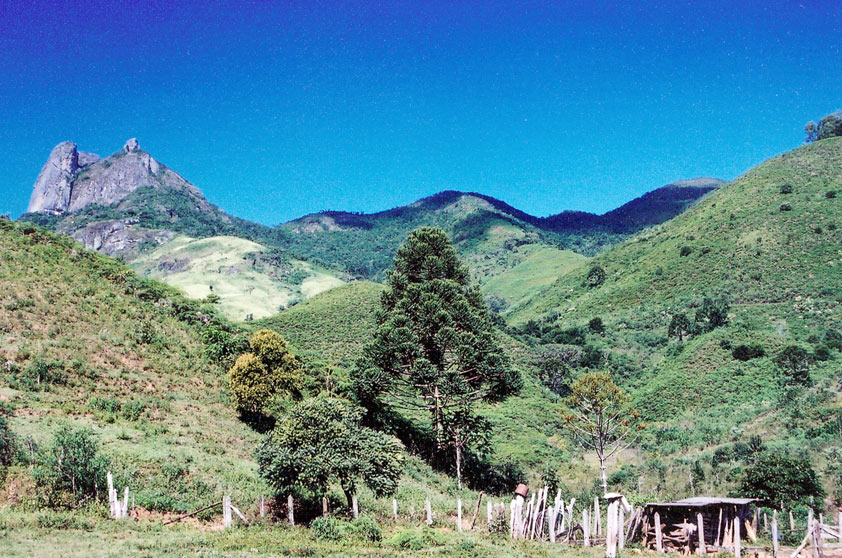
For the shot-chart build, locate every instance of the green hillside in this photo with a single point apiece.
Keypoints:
(248, 278)
(87, 342)
(774, 257)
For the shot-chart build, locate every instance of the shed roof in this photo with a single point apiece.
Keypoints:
(701, 501)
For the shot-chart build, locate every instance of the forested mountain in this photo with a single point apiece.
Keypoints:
(131, 206)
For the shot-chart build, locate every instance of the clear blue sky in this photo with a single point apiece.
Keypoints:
(277, 109)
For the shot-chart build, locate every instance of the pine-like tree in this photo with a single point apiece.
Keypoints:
(434, 348)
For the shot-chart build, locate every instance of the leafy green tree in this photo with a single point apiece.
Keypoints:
(596, 276)
(713, 313)
(68, 471)
(596, 326)
(811, 132)
(794, 361)
(8, 444)
(434, 348)
(679, 326)
(269, 369)
(554, 370)
(320, 441)
(776, 478)
(601, 417)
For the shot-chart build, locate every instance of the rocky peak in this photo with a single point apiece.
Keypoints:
(54, 185)
(72, 180)
(131, 146)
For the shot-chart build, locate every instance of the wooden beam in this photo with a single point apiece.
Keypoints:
(192, 513)
(702, 550)
(659, 536)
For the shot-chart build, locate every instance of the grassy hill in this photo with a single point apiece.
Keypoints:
(249, 279)
(769, 244)
(86, 342)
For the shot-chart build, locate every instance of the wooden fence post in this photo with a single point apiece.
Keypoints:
(597, 520)
(226, 511)
(459, 514)
(621, 528)
(586, 528)
(775, 534)
(429, 511)
(476, 511)
(262, 507)
(355, 506)
(791, 522)
(700, 525)
(659, 536)
(290, 506)
(611, 529)
(490, 511)
(737, 545)
(395, 509)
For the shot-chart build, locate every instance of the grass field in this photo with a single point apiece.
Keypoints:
(235, 270)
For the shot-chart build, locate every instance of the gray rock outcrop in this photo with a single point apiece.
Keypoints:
(72, 180)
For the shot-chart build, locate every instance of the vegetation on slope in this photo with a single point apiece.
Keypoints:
(767, 248)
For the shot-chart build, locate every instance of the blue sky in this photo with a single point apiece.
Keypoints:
(277, 109)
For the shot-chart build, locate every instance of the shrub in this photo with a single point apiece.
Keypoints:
(104, 404)
(8, 444)
(685, 251)
(833, 339)
(821, 353)
(818, 230)
(68, 470)
(596, 276)
(786, 188)
(39, 374)
(776, 478)
(786, 207)
(133, 410)
(794, 361)
(326, 528)
(830, 194)
(596, 326)
(62, 520)
(712, 314)
(367, 528)
(747, 352)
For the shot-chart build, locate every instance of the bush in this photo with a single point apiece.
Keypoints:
(776, 478)
(821, 353)
(62, 520)
(367, 529)
(830, 194)
(794, 361)
(786, 188)
(133, 410)
(712, 314)
(326, 528)
(685, 251)
(104, 404)
(69, 469)
(786, 207)
(596, 326)
(747, 352)
(596, 276)
(833, 339)
(8, 444)
(39, 374)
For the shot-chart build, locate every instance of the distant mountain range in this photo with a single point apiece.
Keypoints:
(132, 206)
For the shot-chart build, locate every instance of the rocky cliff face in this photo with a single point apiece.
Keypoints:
(71, 180)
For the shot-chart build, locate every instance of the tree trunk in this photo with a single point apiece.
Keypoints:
(604, 477)
(458, 465)
(349, 496)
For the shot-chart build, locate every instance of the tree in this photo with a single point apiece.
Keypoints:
(321, 440)
(554, 370)
(679, 326)
(794, 361)
(8, 444)
(596, 326)
(713, 313)
(601, 418)
(434, 348)
(269, 369)
(776, 478)
(811, 132)
(68, 471)
(596, 276)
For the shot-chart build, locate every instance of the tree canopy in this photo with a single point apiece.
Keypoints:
(828, 127)
(257, 376)
(320, 441)
(434, 348)
(776, 478)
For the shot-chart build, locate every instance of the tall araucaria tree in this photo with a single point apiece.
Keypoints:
(434, 348)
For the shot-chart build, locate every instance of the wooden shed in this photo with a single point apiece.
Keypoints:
(724, 522)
